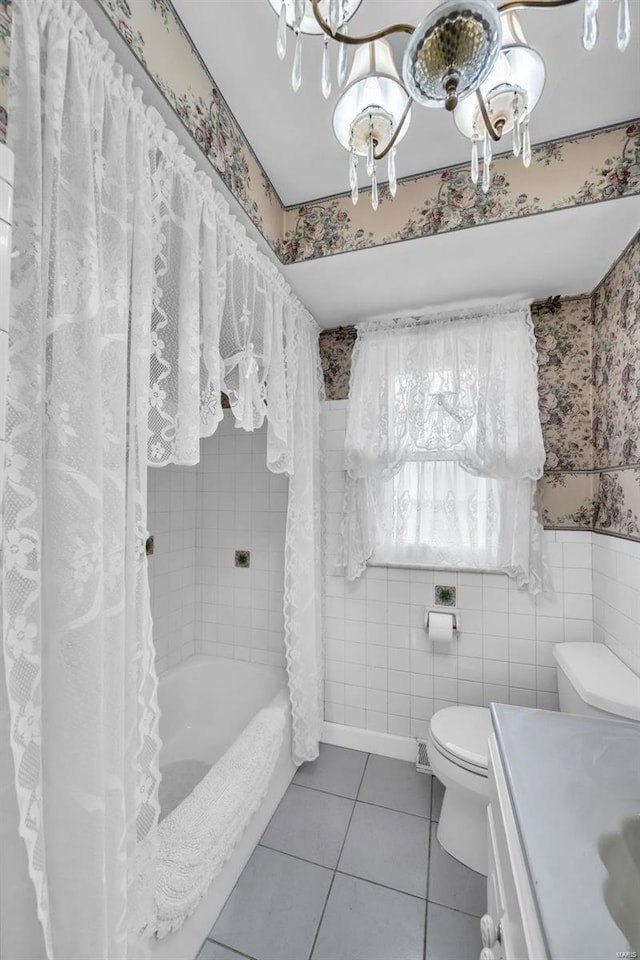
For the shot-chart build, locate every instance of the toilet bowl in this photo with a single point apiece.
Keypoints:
(457, 748)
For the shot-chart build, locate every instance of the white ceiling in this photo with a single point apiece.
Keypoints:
(291, 133)
(566, 252)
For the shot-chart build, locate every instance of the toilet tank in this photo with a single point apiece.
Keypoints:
(592, 681)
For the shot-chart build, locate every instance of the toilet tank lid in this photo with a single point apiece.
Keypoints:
(600, 678)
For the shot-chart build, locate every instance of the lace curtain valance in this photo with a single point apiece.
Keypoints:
(457, 390)
(236, 317)
(446, 389)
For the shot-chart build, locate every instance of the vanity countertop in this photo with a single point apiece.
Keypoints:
(572, 780)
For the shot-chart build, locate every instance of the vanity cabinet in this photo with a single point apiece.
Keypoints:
(564, 802)
(510, 929)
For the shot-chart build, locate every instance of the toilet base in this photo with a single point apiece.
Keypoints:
(463, 827)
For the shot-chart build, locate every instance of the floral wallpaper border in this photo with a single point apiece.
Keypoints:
(590, 168)
(617, 506)
(156, 36)
(589, 395)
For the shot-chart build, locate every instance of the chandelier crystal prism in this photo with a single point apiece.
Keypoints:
(508, 95)
(373, 109)
(469, 57)
(298, 17)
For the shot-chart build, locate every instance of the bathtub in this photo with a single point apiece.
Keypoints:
(213, 713)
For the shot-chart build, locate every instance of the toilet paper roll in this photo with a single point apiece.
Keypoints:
(440, 627)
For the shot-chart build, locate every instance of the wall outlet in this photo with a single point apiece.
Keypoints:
(445, 596)
(243, 559)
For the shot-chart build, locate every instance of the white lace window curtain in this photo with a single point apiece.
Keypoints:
(136, 298)
(443, 445)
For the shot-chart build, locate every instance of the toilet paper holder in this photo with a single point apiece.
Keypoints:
(455, 616)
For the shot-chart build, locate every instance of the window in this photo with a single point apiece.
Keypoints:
(444, 446)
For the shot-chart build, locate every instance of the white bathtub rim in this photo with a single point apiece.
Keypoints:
(185, 944)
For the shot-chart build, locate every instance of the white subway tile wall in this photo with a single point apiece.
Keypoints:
(241, 506)
(616, 597)
(382, 671)
(199, 516)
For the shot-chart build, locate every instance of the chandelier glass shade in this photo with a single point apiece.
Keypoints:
(468, 56)
(451, 52)
(372, 108)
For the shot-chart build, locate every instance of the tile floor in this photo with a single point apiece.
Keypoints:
(349, 868)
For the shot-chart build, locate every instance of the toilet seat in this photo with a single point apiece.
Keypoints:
(461, 735)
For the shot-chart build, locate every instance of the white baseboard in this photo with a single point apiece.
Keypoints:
(370, 741)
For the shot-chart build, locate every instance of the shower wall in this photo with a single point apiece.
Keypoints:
(199, 517)
(242, 506)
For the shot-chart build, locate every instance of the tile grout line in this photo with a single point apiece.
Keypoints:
(335, 869)
(324, 908)
(384, 886)
(369, 803)
(354, 876)
(464, 913)
(426, 906)
(219, 943)
(295, 856)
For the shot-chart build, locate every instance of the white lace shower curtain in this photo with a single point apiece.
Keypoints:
(443, 445)
(136, 299)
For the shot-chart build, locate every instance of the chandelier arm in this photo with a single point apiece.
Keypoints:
(494, 133)
(540, 4)
(366, 38)
(392, 141)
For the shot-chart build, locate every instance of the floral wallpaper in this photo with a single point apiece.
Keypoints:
(589, 391)
(616, 395)
(564, 332)
(336, 347)
(5, 34)
(587, 169)
(156, 36)
(616, 363)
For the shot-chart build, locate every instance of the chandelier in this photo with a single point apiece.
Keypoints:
(469, 57)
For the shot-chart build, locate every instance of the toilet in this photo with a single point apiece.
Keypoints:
(458, 747)
(592, 681)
